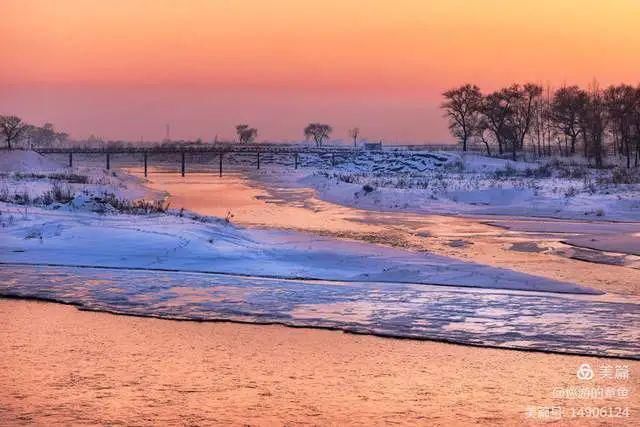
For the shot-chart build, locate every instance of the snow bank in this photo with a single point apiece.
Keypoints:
(459, 183)
(182, 243)
(395, 162)
(483, 164)
(26, 162)
(27, 177)
(492, 196)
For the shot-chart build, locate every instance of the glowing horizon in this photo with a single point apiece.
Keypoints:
(123, 69)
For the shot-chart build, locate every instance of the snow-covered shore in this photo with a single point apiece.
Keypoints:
(82, 231)
(208, 245)
(28, 178)
(453, 183)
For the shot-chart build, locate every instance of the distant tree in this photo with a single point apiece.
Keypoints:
(46, 136)
(636, 125)
(523, 114)
(604, 120)
(318, 131)
(12, 128)
(481, 131)
(621, 104)
(462, 108)
(594, 124)
(541, 120)
(497, 110)
(565, 111)
(43, 136)
(96, 141)
(353, 134)
(246, 134)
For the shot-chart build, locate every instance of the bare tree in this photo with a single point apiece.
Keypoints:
(519, 114)
(566, 108)
(246, 134)
(636, 125)
(318, 131)
(548, 130)
(46, 135)
(481, 131)
(353, 134)
(12, 128)
(497, 111)
(541, 118)
(462, 107)
(594, 123)
(523, 114)
(620, 102)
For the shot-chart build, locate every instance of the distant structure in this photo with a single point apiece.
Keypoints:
(373, 146)
(168, 132)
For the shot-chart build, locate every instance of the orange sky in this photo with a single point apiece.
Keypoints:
(122, 69)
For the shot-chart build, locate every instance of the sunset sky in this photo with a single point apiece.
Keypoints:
(125, 68)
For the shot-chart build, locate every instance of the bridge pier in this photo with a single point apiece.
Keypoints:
(108, 161)
(220, 166)
(258, 160)
(333, 159)
(295, 160)
(145, 164)
(182, 165)
(70, 159)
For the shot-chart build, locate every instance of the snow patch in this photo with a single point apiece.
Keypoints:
(26, 162)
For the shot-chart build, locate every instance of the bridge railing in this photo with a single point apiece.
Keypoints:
(197, 149)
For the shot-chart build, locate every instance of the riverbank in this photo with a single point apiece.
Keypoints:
(471, 184)
(64, 366)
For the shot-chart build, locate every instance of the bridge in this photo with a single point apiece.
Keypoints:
(219, 150)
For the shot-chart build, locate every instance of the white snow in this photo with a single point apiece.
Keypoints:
(476, 185)
(26, 161)
(29, 174)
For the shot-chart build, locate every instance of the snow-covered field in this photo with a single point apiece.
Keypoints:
(98, 223)
(455, 183)
(28, 178)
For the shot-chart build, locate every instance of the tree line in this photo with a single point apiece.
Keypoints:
(15, 131)
(592, 122)
(319, 132)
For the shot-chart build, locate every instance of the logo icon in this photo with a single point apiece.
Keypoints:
(585, 372)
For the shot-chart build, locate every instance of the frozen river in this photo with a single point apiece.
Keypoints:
(603, 325)
(606, 325)
(589, 253)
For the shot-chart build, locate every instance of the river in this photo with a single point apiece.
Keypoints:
(602, 325)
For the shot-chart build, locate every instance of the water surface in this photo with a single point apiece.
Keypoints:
(578, 324)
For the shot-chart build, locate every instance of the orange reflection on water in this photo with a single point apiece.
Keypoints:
(63, 366)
